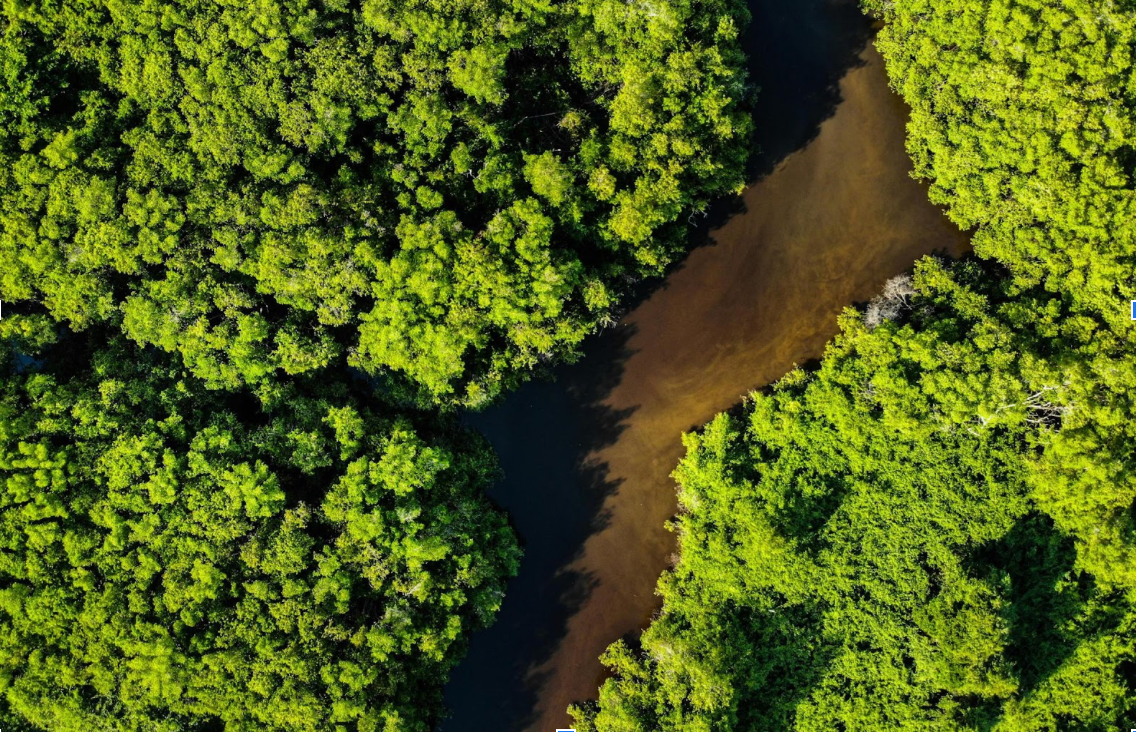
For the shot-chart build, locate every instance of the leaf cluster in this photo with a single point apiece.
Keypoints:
(449, 192)
(176, 558)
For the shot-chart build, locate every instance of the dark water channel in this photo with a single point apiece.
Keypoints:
(831, 213)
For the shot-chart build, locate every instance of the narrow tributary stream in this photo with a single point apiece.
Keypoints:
(831, 214)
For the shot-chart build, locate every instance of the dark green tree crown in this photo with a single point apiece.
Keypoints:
(446, 190)
(173, 558)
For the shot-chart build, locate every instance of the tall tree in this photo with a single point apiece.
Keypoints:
(451, 191)
(876, 545)
(175, 558)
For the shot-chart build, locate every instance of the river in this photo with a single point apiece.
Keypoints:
(831, 214)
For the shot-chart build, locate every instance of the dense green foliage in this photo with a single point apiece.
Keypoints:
(1024, 123)
(888, 543)
(173, 559)
(934, 530)
(446, 190)
(1024, 120)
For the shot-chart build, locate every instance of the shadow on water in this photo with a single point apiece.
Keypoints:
(543, 435)
(551, 437)
(798, 51)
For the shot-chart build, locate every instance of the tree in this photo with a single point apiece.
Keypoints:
(876, 545)
(177, 558)
(1023, 119)
(441, 192)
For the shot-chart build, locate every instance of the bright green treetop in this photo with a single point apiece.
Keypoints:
(172, 559)
(449, 190)
(1024, 120)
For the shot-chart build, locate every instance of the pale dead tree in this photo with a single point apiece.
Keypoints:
(1044, 412)
(900, 288)
(1039, 409)
(650, 9)
(880, 311)
(661, 652)
(892, 300)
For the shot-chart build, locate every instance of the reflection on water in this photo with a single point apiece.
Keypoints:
(831, 215)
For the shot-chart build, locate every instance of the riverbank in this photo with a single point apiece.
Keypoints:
(833, 214)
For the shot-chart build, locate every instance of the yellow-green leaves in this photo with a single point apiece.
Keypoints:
(172, 556)
(234, 184)
(922, 533)
(1024, 119)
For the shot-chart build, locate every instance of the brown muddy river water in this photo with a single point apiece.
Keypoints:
(831, 214)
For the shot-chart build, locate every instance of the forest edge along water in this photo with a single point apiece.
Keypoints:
(832, 213)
